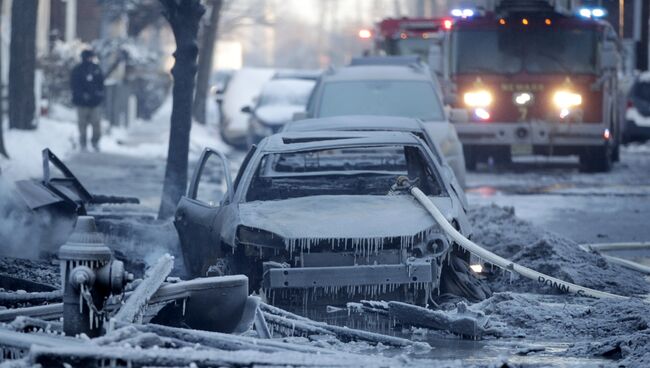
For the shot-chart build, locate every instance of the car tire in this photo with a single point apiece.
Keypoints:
(597, 159)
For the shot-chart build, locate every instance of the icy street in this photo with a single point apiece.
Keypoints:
(588, 208)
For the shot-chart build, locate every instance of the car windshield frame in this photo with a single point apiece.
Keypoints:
(436, 113)
(526, 51)
(424, 152)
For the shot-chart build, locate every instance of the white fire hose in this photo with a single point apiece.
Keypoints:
(498, 261)
(604, 247)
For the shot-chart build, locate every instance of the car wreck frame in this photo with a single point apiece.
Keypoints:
(369, 266)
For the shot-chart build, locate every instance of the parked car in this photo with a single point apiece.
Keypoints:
(423, 131)
(279, 101)
(637, 116)
(311, 212)
(244, 85)
(390, 89)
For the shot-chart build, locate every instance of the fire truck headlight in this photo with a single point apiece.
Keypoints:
(481, 98)
(567, 99)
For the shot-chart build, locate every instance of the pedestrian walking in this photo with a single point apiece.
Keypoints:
(87, 84)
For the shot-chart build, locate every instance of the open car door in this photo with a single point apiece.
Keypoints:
(196, 214)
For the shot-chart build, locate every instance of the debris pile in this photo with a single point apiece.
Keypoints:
(500, 231)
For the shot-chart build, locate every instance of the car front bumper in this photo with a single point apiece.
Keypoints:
(418, 271)
(533, 133)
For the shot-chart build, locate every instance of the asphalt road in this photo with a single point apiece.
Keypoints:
(553, 194)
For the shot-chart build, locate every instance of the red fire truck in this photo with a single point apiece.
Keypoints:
(534, 79)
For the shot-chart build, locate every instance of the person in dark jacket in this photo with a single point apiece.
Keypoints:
(87, 84)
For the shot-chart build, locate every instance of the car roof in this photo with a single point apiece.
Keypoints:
(356, 122)
(377, 72)
(303, 141)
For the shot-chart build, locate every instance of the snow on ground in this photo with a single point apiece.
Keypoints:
(59, 133)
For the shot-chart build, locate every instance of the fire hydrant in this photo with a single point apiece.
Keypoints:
(89, 276)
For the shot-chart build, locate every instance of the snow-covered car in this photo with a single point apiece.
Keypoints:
(313, 212)
(637, 116)
(243, 87)
(389, 90)
(455, 169)
(276, 105)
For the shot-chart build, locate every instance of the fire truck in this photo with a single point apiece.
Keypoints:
(536, 78)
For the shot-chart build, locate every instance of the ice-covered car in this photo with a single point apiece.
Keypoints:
(313, 212)
(279, 101)
(389, 90)
(385, 123)
(243, 87)
(637, 116)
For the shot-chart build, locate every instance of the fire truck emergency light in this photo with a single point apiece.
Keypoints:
(592, 12)
(462, 13)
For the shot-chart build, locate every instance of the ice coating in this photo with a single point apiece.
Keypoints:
(366, 220)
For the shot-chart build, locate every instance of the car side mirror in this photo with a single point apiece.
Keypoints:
(458, 116)
(609, 56)
(247, 110)
(301, 115)
(219, 97)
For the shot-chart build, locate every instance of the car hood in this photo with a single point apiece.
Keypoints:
(343, 217)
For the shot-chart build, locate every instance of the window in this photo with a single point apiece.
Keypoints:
(340, 171)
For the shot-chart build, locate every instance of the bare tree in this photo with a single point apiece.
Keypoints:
(206, 52)
(184, 17)
(3, 150)
(22, 64)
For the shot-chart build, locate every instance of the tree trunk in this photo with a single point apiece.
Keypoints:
(22, 64)
(206, 52)
(184, 17)
(3, 150)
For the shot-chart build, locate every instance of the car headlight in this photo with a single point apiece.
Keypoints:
(567, 99)
(480, 98)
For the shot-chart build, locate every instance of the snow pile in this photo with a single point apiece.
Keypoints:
(25, 146)
(617, 329)
(499, 230)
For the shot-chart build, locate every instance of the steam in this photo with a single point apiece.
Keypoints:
(25, 233)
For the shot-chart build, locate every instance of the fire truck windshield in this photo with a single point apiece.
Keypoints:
(533, 50)
(411, 46)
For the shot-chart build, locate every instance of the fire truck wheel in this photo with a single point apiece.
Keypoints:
(616, 152)
(471, 159)
(597, 159)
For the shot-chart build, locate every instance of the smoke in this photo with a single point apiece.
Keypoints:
(140, 241)
(25, 233)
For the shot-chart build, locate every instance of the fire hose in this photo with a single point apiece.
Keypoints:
(482, 253)
(604, 247)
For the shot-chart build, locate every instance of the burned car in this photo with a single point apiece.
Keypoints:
(313, 212)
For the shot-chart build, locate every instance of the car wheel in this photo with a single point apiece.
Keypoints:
(597, 159)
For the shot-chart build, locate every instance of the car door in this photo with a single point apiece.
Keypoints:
(197, 213)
